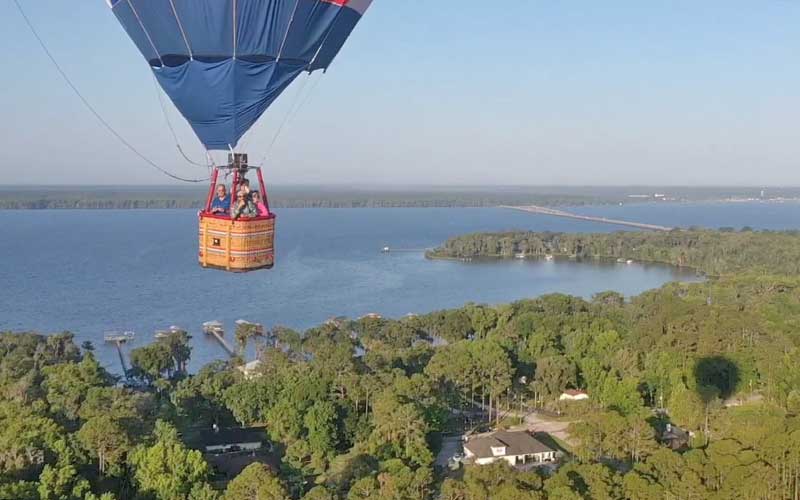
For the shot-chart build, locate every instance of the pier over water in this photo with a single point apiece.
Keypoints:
(561, 213)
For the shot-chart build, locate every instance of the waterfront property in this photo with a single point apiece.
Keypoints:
(516, 448)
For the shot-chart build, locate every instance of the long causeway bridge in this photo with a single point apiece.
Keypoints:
(603, 220)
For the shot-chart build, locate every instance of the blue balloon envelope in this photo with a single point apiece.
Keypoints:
(224, 62)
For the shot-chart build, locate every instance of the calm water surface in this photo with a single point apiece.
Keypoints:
(92, 271)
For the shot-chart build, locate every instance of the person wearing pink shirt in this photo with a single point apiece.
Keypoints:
(261, 208)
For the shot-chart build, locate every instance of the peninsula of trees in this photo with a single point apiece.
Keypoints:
(356, 409)
(712, 252)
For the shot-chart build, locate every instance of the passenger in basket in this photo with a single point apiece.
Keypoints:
(244, 186)
(243, 207)
(261, 208)
(222, 203)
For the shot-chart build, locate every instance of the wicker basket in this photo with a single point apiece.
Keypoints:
(237, 245)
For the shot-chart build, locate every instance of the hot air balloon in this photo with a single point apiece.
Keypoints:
(223, 63)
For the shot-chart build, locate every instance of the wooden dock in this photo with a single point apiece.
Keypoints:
(118, 344)
(588, 218)
(214, 328)
(119, 337)
(224, 343)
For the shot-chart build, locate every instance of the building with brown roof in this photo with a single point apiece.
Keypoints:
(516, 448)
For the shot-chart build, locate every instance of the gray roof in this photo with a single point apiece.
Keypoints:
(516, 443)
(225, 437)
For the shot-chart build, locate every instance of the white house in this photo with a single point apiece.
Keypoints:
(516, 448)
(573, 395)
(251, 370)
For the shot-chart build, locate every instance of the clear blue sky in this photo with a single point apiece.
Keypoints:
(463, 92)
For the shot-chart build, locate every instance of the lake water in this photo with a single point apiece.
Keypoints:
(93, 271)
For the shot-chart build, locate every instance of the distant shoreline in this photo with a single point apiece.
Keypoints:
(165, 197)
(128, 204)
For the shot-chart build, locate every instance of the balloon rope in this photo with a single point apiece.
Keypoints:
(292, 112)
(91, 108)
(169, 125)
(309, 95)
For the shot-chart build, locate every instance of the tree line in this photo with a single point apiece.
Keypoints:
(167, 197)
(714, 252)
(378, 200)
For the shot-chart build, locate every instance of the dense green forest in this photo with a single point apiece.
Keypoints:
(712, 252)
(718, 359)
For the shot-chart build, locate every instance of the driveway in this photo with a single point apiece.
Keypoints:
(450, 446)
(536, 423)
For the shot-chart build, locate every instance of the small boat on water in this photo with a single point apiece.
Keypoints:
(119, 337)
(548, 257)
(519, 256)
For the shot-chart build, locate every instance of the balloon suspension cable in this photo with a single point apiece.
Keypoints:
(210, 160)
(89, 106)
(310, 93)
(249, 135)
(163, 106)
(290, 114)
